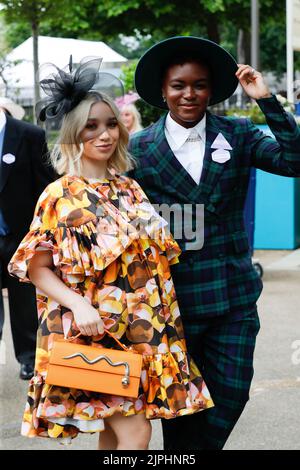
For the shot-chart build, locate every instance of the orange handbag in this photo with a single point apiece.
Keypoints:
(95, 369)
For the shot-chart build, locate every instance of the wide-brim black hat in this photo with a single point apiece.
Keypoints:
(149, 70)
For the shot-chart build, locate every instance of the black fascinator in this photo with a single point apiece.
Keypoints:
(65, 88)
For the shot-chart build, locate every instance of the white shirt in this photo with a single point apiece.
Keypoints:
(189, 153)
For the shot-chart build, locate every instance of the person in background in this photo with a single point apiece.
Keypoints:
(24, 173)
(129, 113)
(131, 118)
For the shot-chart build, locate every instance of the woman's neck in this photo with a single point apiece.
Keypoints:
(93, 169)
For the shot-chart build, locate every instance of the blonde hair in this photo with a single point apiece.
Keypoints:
(67, 151)
(137, 120)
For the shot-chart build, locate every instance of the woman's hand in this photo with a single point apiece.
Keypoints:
(252, 82)
(87, 318)
(42, 276)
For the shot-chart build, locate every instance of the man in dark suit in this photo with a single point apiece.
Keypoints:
(191, 156)
(24, 173)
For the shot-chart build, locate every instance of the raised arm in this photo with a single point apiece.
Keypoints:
(281, 155)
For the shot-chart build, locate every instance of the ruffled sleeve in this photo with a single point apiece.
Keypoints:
(156, 227)
(41, 234)
(82, 237)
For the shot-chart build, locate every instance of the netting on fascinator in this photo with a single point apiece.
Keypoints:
(65, 88)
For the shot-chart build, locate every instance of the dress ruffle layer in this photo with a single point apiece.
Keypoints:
(80, 251)
(170, 387)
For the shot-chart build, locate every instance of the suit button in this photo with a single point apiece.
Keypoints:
(221, 256)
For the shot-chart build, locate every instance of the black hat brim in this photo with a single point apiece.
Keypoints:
(148, 74)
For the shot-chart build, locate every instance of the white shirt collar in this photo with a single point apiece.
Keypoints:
(179, 134)
(2, 119)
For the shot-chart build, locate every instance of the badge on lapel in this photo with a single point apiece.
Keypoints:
(222, 146)
(8, 158)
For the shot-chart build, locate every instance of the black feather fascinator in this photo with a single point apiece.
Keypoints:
(65, 88)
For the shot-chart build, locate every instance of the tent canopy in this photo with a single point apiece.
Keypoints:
(57, 51)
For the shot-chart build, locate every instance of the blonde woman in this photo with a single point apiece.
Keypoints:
(131, 118)
(129, 113)
(94, 270)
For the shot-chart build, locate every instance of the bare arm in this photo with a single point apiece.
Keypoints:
(42, 276)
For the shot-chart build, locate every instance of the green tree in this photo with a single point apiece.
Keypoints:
(6, 64)
(149, 113)
(31, 15)
(225, 21)
(127, 75)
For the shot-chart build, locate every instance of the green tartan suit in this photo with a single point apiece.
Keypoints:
(216, 285)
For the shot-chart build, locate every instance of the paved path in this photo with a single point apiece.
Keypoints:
(291, 262)
(271, 419)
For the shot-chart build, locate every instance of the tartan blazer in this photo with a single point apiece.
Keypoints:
(219, 278)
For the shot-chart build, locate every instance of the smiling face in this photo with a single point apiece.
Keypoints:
(100, 135)
(187, 89)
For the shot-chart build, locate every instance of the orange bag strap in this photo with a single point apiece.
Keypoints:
(106, 331)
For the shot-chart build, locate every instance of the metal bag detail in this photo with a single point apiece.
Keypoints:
(94, 369)
(125, 380)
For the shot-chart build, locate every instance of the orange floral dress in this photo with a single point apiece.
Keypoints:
(109, 245)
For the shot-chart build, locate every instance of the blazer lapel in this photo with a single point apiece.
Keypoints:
(159, 154)
(12, 139)
(174, 177)
(212, 171)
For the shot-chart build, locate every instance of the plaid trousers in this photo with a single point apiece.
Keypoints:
(223, 349)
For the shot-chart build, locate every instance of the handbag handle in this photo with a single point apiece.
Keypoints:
(71, 338)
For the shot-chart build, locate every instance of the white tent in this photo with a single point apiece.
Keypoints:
(57, 51)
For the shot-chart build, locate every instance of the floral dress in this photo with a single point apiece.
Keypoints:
(109, 245)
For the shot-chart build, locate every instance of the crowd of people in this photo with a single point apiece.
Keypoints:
(104, 260)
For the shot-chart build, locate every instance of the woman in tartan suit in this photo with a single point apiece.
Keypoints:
(192, 157)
